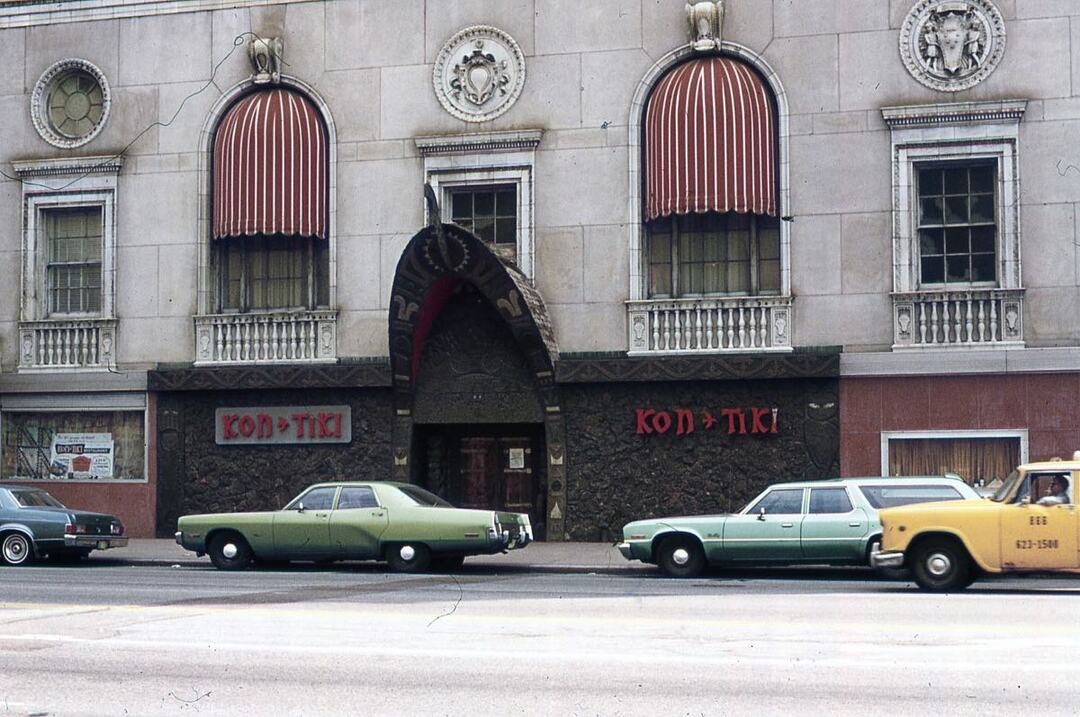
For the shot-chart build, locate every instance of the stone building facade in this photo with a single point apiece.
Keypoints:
(670, 252)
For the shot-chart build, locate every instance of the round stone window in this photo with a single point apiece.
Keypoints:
(70, 103)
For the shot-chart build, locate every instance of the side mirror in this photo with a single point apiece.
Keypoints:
(761, 515)
(300, 507)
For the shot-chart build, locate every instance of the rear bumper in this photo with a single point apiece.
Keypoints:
(95, 542)
(887, 559)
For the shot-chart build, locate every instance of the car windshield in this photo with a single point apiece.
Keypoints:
(35, 499)
(1007, 487)
(422, 497)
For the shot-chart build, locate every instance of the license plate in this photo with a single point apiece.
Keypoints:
(102, 544)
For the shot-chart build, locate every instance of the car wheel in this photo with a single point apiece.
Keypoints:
(681, 557)
(229, 551)
(17, 549)
(408, 557)
(941, 566)
(448, 564)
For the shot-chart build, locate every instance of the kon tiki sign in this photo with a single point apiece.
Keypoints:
(683, 421)
(282, 424)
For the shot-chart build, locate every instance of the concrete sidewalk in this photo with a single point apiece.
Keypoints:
(545, 557)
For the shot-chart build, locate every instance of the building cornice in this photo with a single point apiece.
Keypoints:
(28, 13)
(950, 113)
(480, 142)
(66, 166)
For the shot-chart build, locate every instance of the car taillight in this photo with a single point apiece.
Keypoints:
(116, 529)
(74, 528)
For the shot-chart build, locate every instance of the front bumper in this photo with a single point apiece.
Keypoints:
(626, 550)
(96, 542)
(887, 559)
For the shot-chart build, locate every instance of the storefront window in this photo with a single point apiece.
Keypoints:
(980, 461)
(73, 445)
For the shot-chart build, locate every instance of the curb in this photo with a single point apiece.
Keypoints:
(468, 568)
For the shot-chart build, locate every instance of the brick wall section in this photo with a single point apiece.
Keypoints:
(1044, 404)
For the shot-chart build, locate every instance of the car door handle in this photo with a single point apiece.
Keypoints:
(321, 515)
(787, 525)
(854, 525)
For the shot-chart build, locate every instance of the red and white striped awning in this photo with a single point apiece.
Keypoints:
(270, 167)
(710, 141)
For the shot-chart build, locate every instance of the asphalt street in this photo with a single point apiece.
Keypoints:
(102, 638)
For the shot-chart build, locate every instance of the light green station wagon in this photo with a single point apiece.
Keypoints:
(403, 524)
(832, 522)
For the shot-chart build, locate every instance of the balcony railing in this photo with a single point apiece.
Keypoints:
(266, 338)
(983, 318)
(709, 325)
(66, 344)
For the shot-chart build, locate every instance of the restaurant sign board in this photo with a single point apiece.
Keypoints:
(275, 425)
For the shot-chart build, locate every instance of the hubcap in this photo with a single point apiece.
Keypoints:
(229, 550)
(14, 549)
(938, 564)
(681, 556)
(407, 552)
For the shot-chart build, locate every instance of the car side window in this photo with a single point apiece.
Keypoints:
(829, 500)
(356, 497)
(892, 496)
(315, 499)
(785, 501)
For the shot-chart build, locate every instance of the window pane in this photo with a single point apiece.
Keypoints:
(956, 180)
(956, 241)
(356, 497)
(982, 240)
(891, 496)
(73, 261)
(983, 267)
(660, 260)
(982, 179)
(769, 276)
(506, 231)
(829, 500)
(956, 210)
(484, 203)
(931, 242)
(933, 270)
(982, 208)
(506, 202)
(462, 206)
(929, 182)
(957, 268)
(787, 501)
(933, 210)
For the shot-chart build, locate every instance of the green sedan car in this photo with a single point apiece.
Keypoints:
(833, 522)
(403, 524)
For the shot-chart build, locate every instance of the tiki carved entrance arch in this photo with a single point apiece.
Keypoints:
(444, 266)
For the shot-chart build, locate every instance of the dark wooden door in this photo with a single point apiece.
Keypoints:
(498, 472)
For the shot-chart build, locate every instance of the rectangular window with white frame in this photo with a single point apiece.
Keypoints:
(956, 231)
(67, 320)
(484, 183)
(980, 457)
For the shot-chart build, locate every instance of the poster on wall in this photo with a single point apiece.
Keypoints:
(82, 455)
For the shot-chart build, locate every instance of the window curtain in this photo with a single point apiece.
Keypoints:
(978, 460)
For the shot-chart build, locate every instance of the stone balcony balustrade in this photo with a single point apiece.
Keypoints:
(66, 344)
(981, 318)
(709, 325)
(266, 338)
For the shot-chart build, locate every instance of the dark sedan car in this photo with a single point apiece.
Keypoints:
(33, 525)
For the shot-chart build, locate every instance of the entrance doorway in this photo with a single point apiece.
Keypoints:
(496, 467)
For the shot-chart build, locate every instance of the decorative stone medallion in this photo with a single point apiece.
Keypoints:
(952, 45)
(70, 103)
(479, 73)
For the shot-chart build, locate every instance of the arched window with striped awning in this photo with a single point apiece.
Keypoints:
(711, 181)
(270, 199)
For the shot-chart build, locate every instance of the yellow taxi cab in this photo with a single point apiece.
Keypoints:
(1030, 524)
